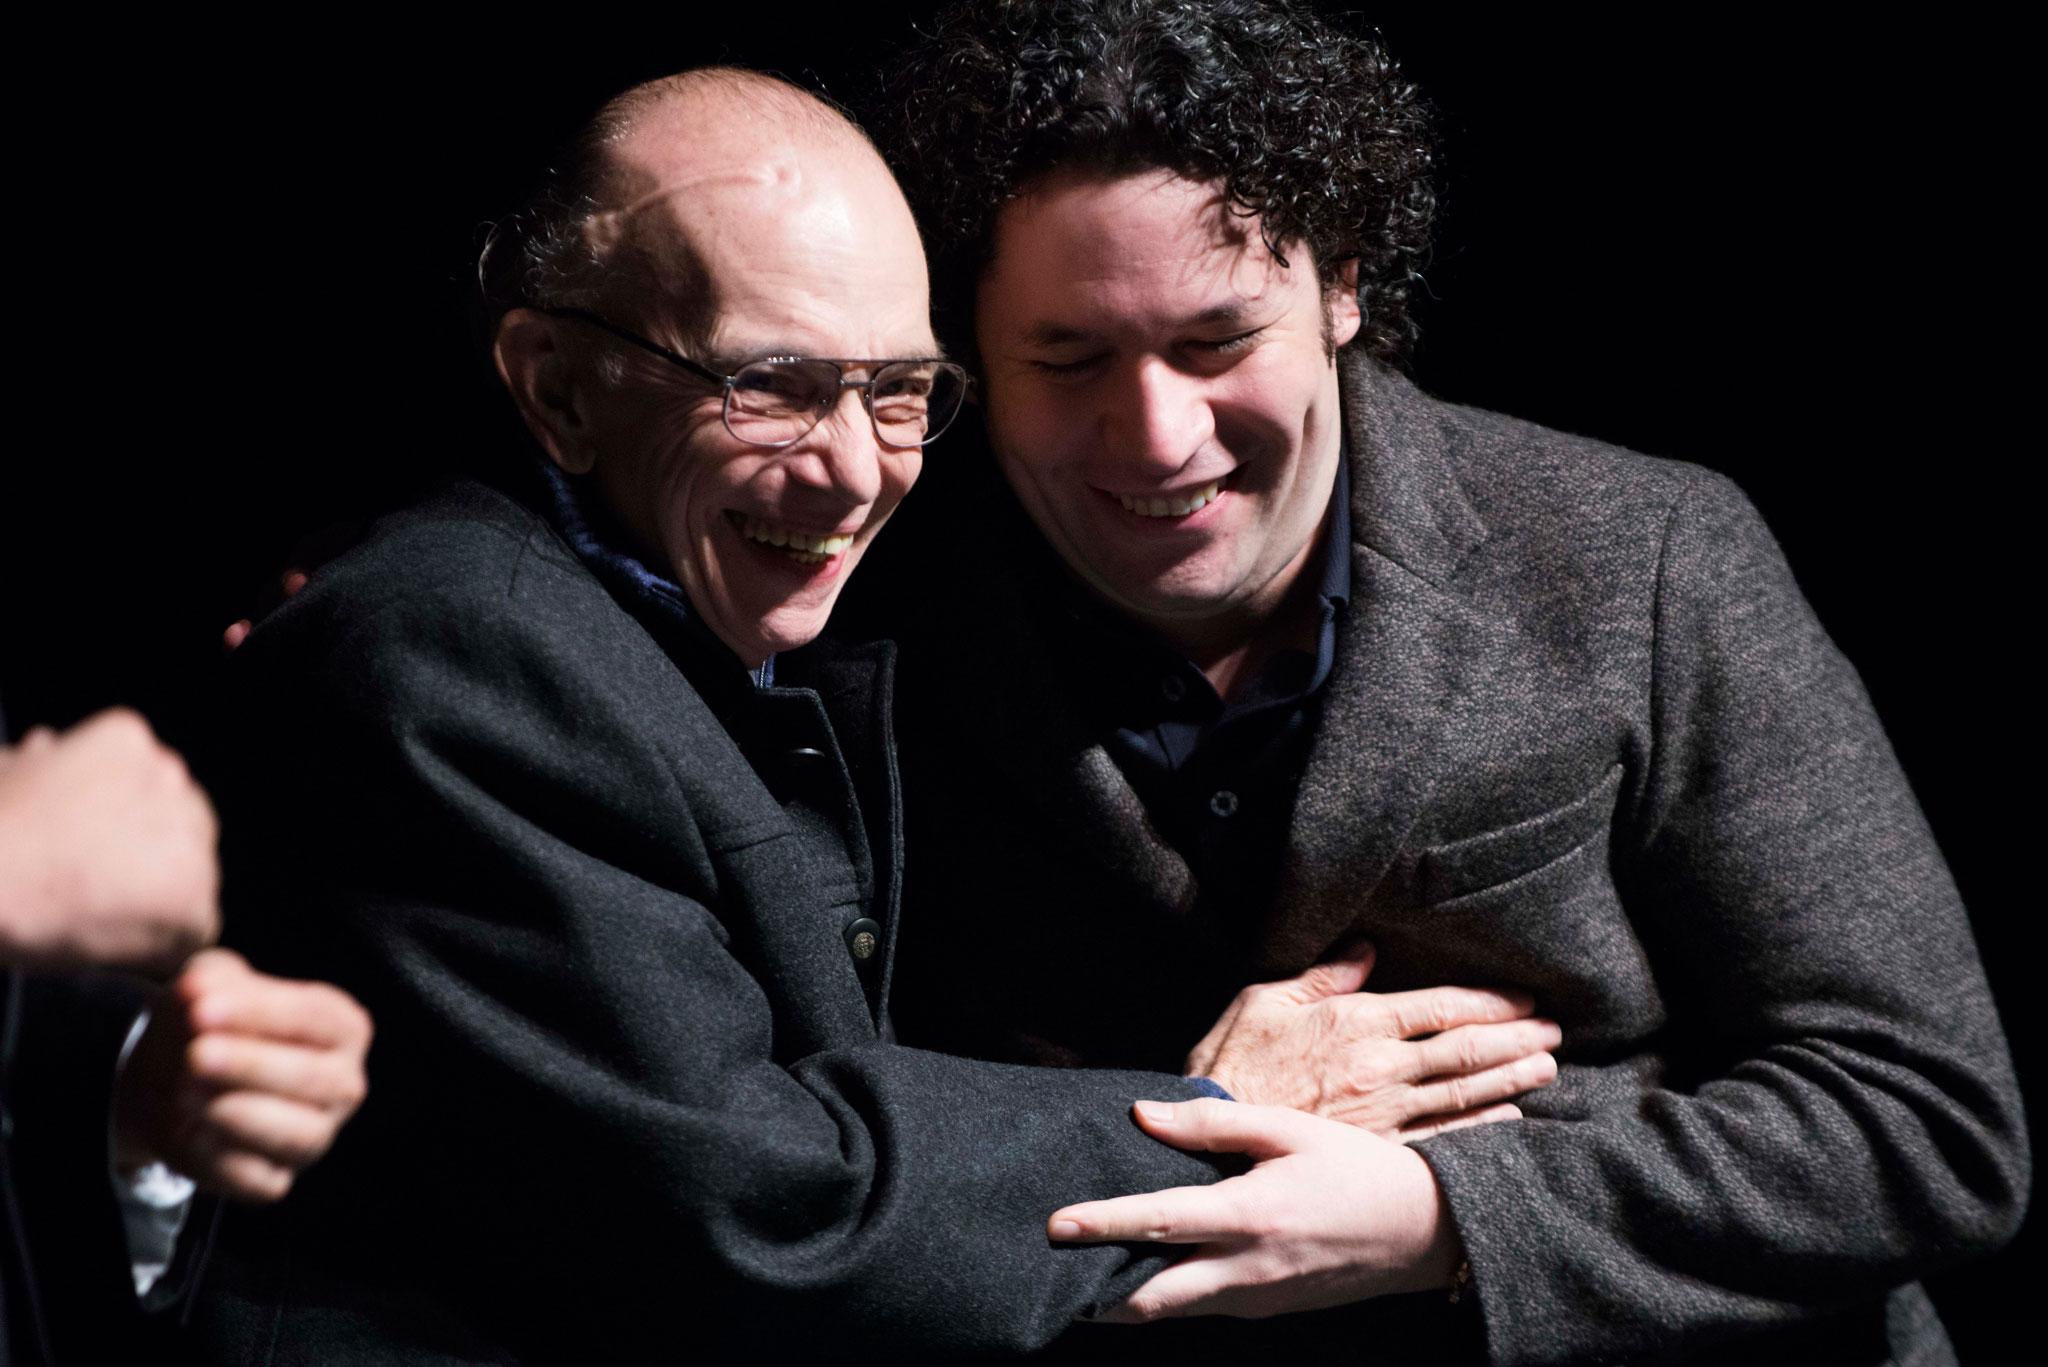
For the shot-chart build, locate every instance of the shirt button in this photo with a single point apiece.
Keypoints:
(1173, 688)
(1223, 802)
(863, 938)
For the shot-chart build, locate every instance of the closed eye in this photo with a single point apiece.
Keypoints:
(1075, 367)
(1227, 346)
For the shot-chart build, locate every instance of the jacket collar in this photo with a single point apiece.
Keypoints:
(1406, 502)
(1413, 655)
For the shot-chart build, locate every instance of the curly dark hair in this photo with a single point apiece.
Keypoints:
(1313, 129)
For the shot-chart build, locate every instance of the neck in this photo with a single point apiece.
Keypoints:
(1231, 647)
(1234, 654)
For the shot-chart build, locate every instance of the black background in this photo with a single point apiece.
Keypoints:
(1787, 250)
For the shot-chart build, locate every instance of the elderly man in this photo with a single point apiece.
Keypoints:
(1298, 653)
(618, 876)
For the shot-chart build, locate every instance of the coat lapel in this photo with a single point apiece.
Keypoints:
(1412, 653)
(1084, 799)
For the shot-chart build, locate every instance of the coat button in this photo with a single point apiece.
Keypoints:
(1223, 802)
(863, 938)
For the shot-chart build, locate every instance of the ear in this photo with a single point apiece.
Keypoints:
(1341, 299)
(530, 361)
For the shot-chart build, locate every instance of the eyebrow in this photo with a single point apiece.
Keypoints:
(1235, 313)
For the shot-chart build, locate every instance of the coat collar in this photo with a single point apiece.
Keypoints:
(1412, 654)
(1406, 502)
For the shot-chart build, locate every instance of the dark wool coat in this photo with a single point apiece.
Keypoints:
(632, 1096)
(1584, 738)
(67, 1293)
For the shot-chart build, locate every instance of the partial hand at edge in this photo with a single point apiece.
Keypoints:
(1328, 1215)
(306, 556)
(1403, 1065)
(241, 1080)
(107, 850)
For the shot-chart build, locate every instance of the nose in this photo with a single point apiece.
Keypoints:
(840, 455)
(1158, 418)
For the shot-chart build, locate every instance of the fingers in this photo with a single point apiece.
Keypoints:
(1441, 1124)
(224, 994)
(244, 1176)
(1201, 1060)
(1177, 1215)
(1213, 1126)
(1473, 1048)
(1343, 972)
(1193, 1286)
(312, 553)
(1432, 1010)
(328, 1079)
(271, 1071)
(1451, 1095)
(281, 1131)
(121, 727)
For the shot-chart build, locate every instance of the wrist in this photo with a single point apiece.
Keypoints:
(1432, 1253)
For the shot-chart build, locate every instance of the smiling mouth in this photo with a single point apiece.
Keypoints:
(1179, 505)
(806, 548)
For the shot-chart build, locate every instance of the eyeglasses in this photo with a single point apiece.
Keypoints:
(775, 402)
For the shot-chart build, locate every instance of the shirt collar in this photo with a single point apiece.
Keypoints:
(1334, 586)
(597, 541)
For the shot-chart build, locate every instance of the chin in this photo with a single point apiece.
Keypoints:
(1167, 600)
(788, 629)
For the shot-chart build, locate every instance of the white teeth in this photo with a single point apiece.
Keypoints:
(1172, 507)
(802, 546)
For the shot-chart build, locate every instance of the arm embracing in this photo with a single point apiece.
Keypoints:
(1838, 1113)
(584, 1079)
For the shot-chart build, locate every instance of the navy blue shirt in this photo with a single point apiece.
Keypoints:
(1218, 778)
(597, 540)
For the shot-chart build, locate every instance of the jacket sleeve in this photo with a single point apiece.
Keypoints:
(1840, 1113)
(579, 1098)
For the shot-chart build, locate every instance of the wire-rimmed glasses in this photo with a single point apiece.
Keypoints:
(775, 401)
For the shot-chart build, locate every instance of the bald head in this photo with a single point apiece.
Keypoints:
(712, 220)
(721, 102)
(679, 170)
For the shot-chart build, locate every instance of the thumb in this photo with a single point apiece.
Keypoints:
(1344, 971)
(1207, 1125)
(208, 970)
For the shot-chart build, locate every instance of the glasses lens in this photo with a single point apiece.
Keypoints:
(778, 401)
(915, 400)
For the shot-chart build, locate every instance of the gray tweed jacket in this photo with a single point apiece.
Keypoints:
(633, 1096)
(1584, 737)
